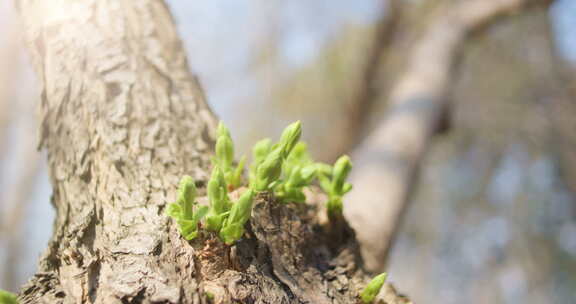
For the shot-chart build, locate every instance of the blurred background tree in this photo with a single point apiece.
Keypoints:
(492, 216)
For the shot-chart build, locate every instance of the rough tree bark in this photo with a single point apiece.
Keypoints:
(123, 119)
(387, 162)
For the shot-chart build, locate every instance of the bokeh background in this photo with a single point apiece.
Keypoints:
(492, 218)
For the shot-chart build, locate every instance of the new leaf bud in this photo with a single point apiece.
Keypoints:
(290, 138)
(269, 170)
(186, 196)
(341, 170)
(373, 288)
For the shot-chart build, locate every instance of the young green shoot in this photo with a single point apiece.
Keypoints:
(240, 213)
(371, 290)
(270, 169)
(259, 152)
(7, 297)
(337, 186)
(224, 158)
(185, 210)
(290, 137)
(298, 172)
(219, 201)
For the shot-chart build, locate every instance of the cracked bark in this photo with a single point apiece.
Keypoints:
(122, 120)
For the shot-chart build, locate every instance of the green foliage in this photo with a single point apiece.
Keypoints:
(7, 297)
(219, 200)
(290, 137)
(210, 296)
(284, 168)
(224, 158)
(298, 171)
(335, 185)
(185, 210)
(371, 290)
(270, 169)
(259, 152)
(240, 213)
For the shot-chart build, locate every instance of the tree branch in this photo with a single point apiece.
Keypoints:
(367, 91)
(387, 163)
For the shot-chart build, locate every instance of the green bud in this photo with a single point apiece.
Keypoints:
(186, 196)
(217, 192)
(219, 201)
(231, 233)
(222, 130)
(7, 297)
(189, 228)
(294, 179)
(214, 222)
(210, 296)
(261, 149)
(242, 209)
(239, 214)
(296, 159)
(341, 170)
(291, 190)
(269, 170)
(224, 148)
(299, 156)
(290, 137)
(183, 210)
(236, 176)
(301, 177)
(373, 288)
(300, 151)
(259, 153)
(174, 210)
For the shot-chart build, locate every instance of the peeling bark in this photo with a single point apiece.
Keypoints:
(123, 119)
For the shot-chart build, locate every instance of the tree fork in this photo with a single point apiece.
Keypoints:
(123, 119)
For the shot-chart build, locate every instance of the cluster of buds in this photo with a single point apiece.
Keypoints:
(284, 168)
(270, 158)
(298, 172)
(225, 218)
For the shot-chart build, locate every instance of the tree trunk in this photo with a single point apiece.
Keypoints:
(123, 119)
